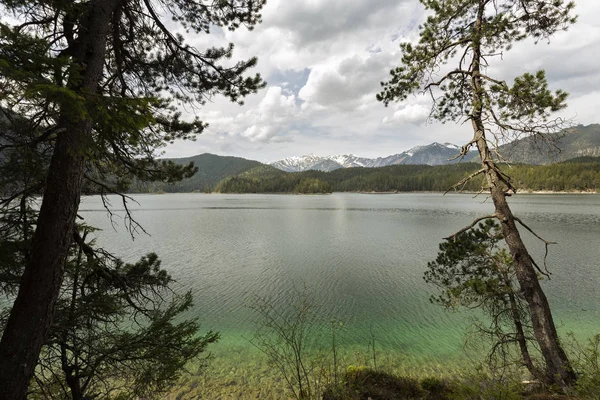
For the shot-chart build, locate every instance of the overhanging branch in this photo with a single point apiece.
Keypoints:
(547, 243)
(464, 181)
(466, 228)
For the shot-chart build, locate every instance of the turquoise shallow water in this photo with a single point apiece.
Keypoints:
(361, 256)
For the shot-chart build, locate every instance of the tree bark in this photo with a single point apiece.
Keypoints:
(520, 332)
(31, 315)
(558, 367)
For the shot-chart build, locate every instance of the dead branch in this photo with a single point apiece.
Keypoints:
(483, 189)
(464, 181)
(532, 232)
(464, 150)
(546, 273)
(132, 226)
(83, 246)
(25, 192)
(466, 228)
(546, 244)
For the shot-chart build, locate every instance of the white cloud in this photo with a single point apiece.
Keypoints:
(346, 84)
(261, 122)
(324, 60)
(259, 133)
(415, 114)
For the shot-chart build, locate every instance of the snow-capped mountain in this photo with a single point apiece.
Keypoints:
(296, 164)
(433, 154)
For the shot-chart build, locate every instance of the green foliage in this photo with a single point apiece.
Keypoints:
(586, 361)
(211, 169)
(528, 98)
(473, 271)
(147, 71)
(267, 179)
(312, 185)
(470, 269)
(575, 175)
(484, 385)
(465, 29)
(117, 327)
(254, 177)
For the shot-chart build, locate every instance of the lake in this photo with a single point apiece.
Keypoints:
(360, 256)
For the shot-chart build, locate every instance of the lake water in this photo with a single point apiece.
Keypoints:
(362, 256)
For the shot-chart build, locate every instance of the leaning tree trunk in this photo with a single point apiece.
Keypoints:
(519, 331)
(557, 364)
(558, 367)
(31, 316)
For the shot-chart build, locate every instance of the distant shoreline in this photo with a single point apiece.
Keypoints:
(520, 192)
(468, 192)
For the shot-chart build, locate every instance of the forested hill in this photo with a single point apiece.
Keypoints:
(582, 174)
(579, 141)
(211, 170)
(234, 174)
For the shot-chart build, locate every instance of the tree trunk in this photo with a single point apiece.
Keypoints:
(520, 332)
(74, 384)
(31, 315)
(558, 367)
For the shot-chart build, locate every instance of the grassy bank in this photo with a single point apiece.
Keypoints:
(239, 372)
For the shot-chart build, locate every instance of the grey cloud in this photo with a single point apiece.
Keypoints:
(328, 57)
(324, 20)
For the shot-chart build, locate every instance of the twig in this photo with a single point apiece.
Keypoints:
(464, 181)
(546, 244)
(466, 228)
(464, 150)
(532, 232)
(24, 192)
(130, 223)
(547, 273)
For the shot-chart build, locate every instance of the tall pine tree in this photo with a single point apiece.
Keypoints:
(97, 83)
(458, 42)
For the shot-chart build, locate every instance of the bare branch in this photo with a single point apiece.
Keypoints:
(532, 232)
(131, 224)
(464, 181)
(546, 273)
(464, 150)
(25, 192)
(466, 228)
(547, 243)
(445, 77)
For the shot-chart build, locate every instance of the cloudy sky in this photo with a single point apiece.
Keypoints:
(323, 61)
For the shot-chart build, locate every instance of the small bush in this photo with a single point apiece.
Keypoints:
(361, 383)
(485, 386)
(587, 365)
(436, 388)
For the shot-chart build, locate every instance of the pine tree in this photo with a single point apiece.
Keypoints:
(458, 41)
(473, 271)
(97, 83)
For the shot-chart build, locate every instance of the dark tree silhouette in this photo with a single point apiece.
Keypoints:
(98, 82)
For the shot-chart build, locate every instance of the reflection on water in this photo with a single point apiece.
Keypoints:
(363, 257)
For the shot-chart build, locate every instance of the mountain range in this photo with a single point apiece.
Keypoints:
(579, 141)
(432, 154)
